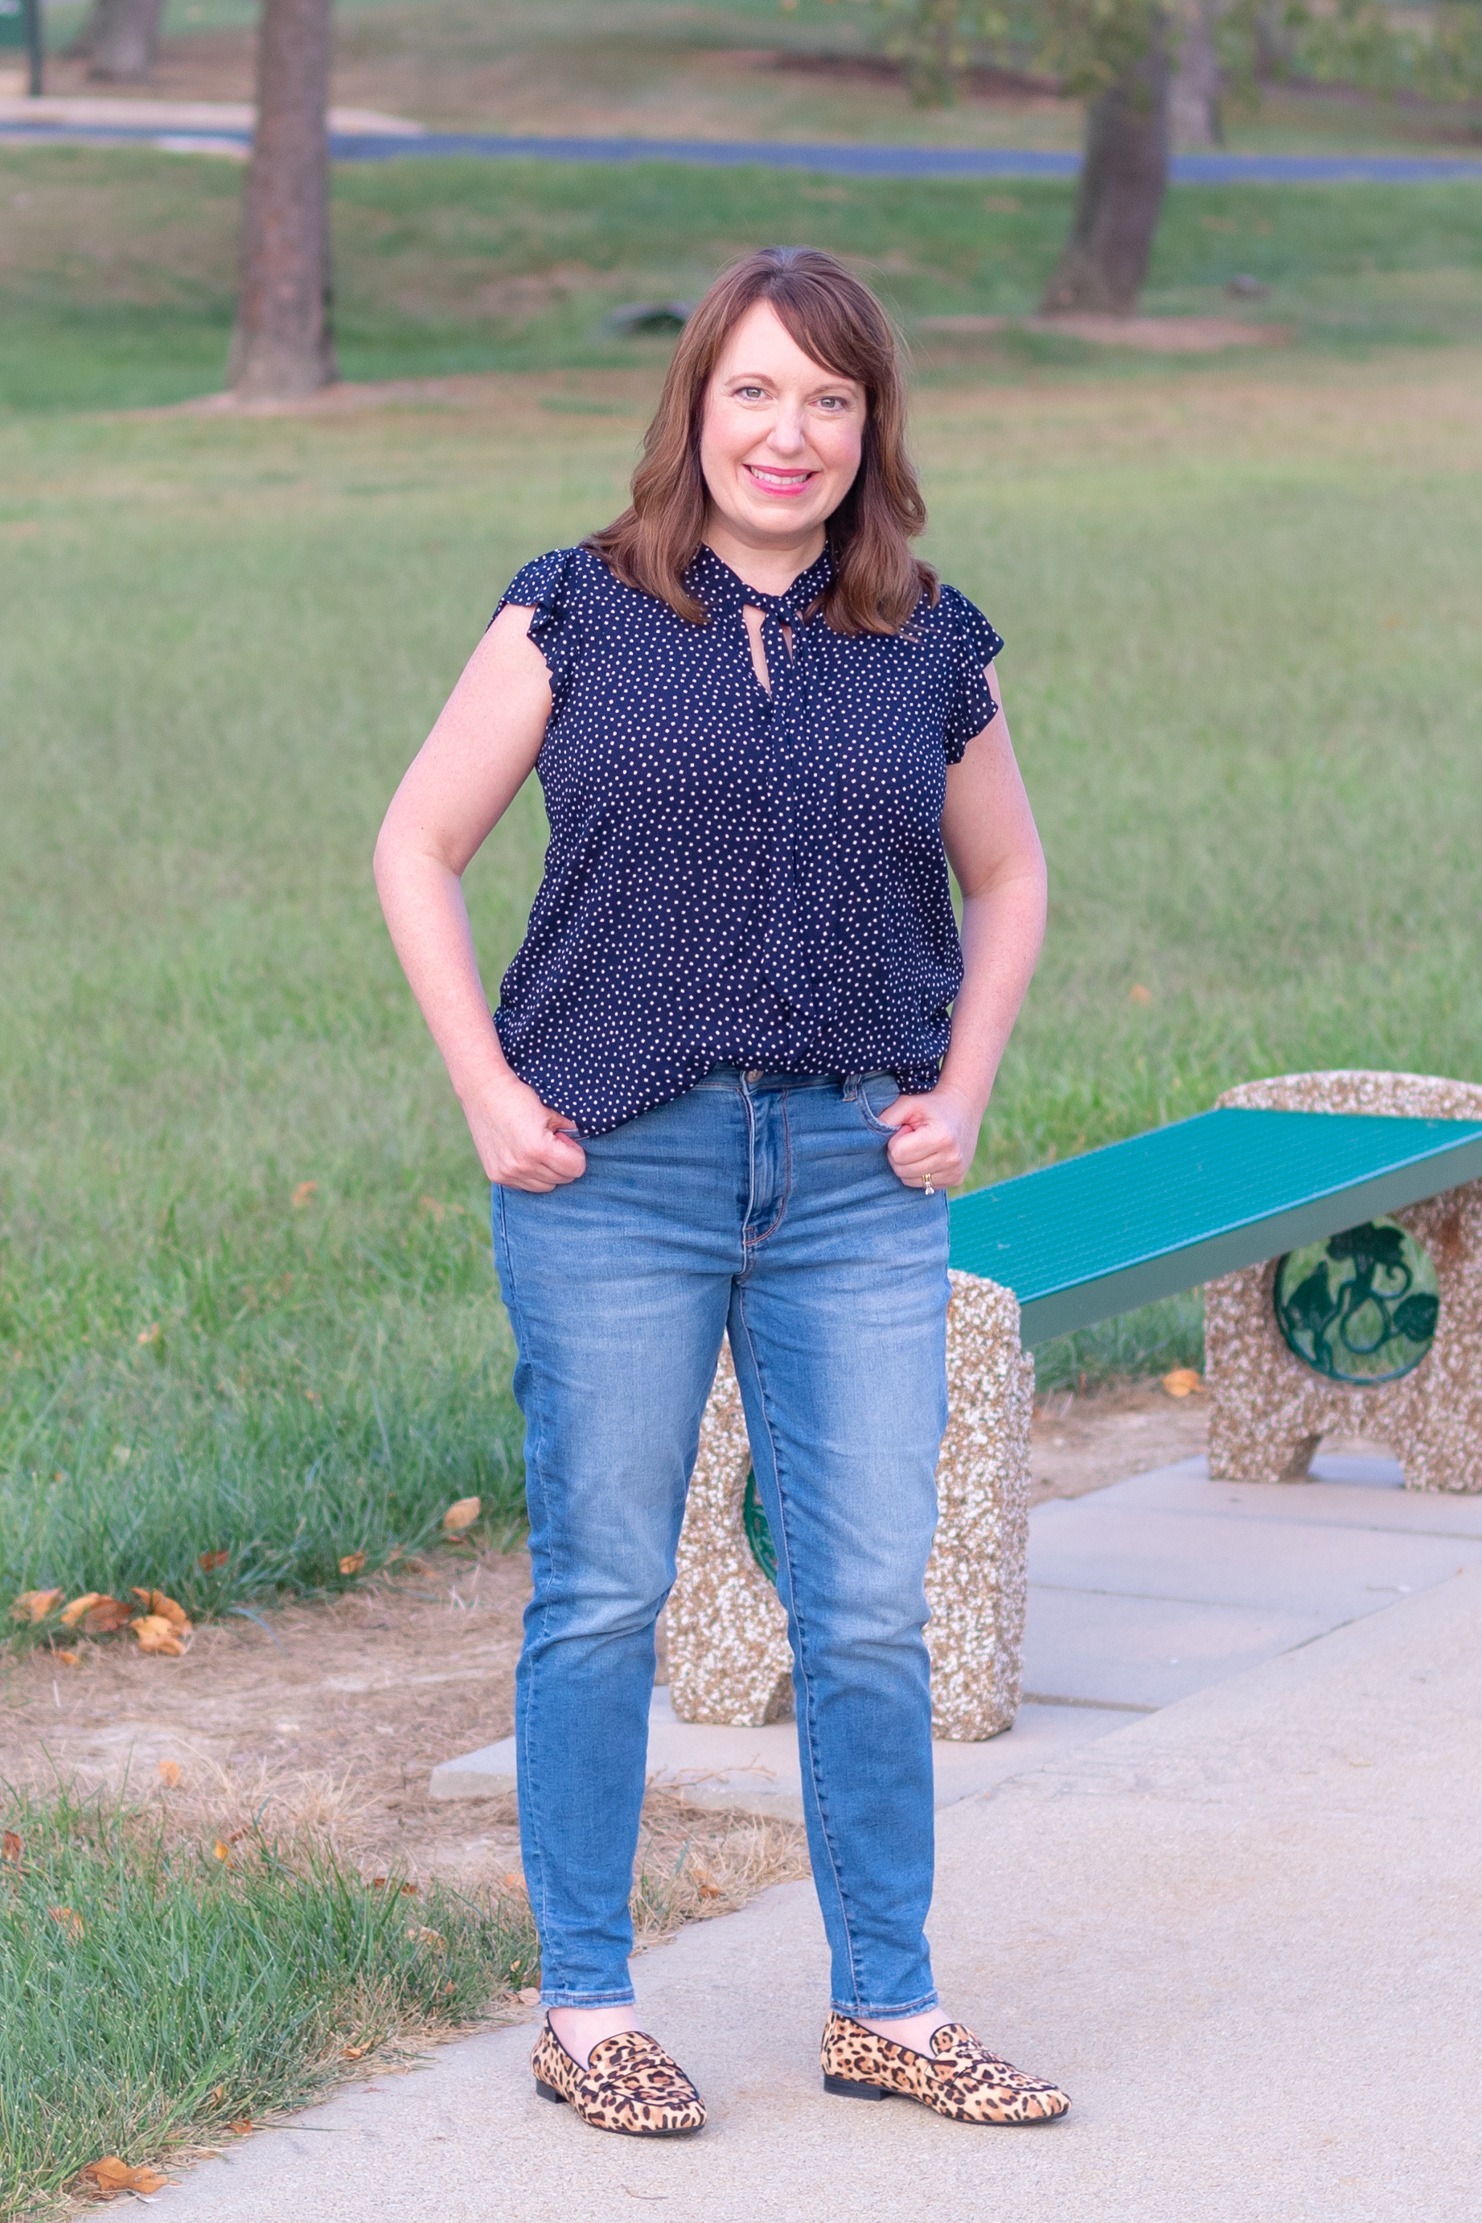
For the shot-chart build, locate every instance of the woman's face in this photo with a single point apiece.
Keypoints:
(780, 437)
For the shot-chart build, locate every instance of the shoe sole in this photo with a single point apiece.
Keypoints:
(613, 2130)
(842, 2087)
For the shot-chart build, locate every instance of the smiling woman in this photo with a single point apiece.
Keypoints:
(737, 1060)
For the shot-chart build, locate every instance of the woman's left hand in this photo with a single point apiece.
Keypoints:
(935, 1137)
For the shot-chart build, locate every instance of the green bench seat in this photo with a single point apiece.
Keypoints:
(1163, 1212)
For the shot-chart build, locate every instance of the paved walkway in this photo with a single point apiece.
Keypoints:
(381, 139)
(1241, 1928)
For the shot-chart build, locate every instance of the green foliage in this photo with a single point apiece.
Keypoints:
(151, 1994)
(1433, 50)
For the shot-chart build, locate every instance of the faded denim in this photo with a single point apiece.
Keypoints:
(762, 1206)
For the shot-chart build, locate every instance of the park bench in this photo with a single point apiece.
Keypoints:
(1336, 1221)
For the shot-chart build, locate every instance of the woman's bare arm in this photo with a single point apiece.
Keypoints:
(461, 782)
(995, 852)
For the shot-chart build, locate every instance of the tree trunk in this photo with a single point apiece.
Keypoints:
(122, 38)
(1194, 103)
(282, 348)
(1121, 188)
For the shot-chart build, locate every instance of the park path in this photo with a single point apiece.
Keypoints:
(1241, 1928)
(189, 128)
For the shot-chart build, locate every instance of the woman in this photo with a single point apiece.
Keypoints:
(737, 1062)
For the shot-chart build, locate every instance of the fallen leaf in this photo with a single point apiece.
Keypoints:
(66, 1918)
(156, 1635)
(169, 1773)
(99, 1614)
(530, 1996)
(223, 1852)
(461, 1515)
(34, 1605)
(241, 2126)
(209, 1561)
(352, 1562)
(1138, 994)
(1182, 1382)
(512, 1882)
(70, 1659)
(151, 1334)
(304, 1194)
(111, 2175)
(10, 1849)
(216, 2094)
(421, 1935)
(165, 1609)
(355, 2052)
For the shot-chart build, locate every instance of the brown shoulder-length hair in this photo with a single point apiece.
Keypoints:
(836, 320)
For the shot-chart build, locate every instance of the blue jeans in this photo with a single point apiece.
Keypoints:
(763, 1207)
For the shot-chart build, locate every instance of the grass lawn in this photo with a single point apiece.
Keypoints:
(277, 1970)
(118, 269)
(749, 69)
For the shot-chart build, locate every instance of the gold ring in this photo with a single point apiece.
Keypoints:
(926, 1188)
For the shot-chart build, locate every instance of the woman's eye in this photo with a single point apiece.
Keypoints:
(748, 393)
(833, 402)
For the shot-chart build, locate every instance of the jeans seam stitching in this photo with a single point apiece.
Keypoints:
(823, 1823)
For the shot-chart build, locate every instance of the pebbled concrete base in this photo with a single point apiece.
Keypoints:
(1242, 1931)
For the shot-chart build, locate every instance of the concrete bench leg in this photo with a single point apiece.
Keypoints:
(729, 1659)
(1269, 1410)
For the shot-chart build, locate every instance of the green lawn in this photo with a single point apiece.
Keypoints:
(118, 269)
(1243, 668)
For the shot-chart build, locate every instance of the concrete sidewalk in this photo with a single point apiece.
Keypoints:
(1242, 1930)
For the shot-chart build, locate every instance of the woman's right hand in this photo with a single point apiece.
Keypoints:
(521, 1142)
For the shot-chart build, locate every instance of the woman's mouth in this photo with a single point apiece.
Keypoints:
(769, 481)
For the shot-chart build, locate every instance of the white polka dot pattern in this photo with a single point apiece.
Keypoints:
(736, 877)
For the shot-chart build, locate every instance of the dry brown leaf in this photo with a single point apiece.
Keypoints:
(68, 1919)
(209, 1561)
(111, 2175)
(223, 1852)
(156, 1635)
(169, 1773)
(34, 1605)
(72, 1614)
(461, 1515)
(1138, 994)
(165, 1609)
(103, 1615)
(512, 1882)
(352, 1562)
(10, 1849)
(421, 1935)
(70, 1659)
(355, 2052)
(241, 2126)
(304, 1194)
(151, 1334)
(530, 1996)
(1182, 1382)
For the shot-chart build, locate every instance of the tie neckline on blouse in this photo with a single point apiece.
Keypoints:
(720, 588)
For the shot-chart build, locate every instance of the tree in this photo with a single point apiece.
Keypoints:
(282, 348)
(1127, 74)
(121, 40)
(1194, 100)
(1125, 58)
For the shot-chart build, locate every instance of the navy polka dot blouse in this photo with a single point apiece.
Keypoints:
(737, 877)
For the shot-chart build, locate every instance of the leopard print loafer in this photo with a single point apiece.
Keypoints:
(960, 2078)
(629, 2085)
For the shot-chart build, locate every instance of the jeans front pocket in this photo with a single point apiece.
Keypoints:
(875, 1093)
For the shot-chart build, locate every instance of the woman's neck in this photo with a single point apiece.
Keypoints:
(770, 567)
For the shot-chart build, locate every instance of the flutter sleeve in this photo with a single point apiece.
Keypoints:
(549, 589)
(973, 644)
